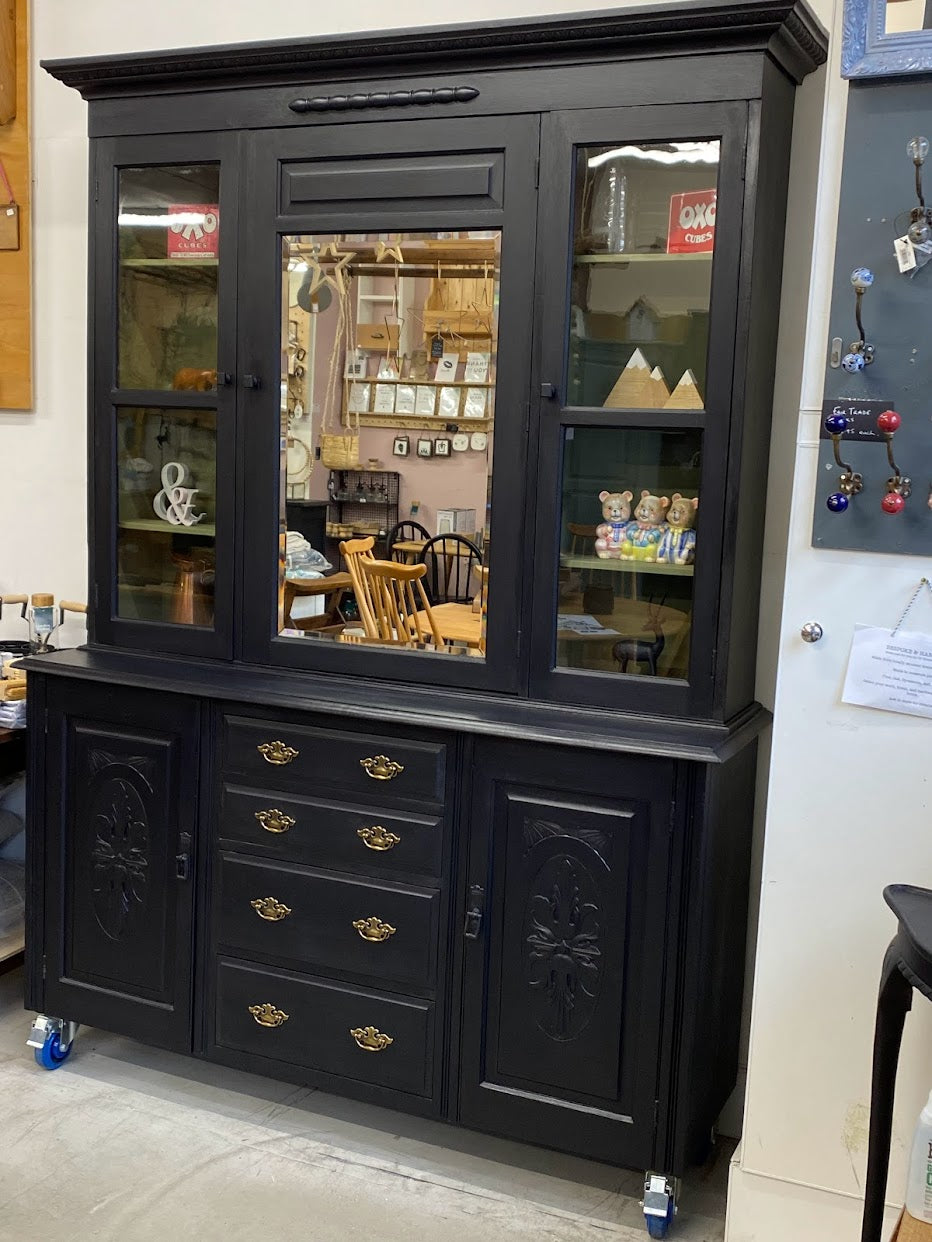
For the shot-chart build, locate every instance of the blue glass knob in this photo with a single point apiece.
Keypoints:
(853, 362)
(835, 424)
(837, 502)
(862, 278)
(917, 149)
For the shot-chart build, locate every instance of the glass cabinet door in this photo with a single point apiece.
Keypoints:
(648, 225)
(165, 272)
(169, 252)
(643, 242)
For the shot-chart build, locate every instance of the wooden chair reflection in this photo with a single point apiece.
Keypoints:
(393, 605)
(582, 538)
(407, 532)
(401, 609)
(354, 552)
(450, 562)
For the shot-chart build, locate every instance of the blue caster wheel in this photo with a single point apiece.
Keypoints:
(657, 1226)
(659, 1204)
(51, 1055)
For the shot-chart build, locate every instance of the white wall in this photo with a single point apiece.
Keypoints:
(847, 800)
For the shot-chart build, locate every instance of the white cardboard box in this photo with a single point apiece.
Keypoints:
(456, 522)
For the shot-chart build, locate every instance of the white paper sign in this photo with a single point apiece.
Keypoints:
(892, 673)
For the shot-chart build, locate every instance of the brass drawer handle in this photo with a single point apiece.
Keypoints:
(277, 752)
(268, 1015)
(374, 929)
(371, 1039)
(270, 909)
(381, 768)
(274, 820)
(375, 837)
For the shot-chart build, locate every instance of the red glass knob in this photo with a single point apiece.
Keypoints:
(888, 421)
(893, 502)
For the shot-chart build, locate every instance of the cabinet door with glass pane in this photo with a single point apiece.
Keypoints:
(391, 281)
(639, 258)
(164, 274)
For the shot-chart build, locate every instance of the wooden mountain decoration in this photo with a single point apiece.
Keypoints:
(655, 394)
(629, 387)
(685, 396)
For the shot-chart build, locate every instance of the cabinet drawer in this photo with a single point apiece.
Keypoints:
(324, 1026)
(324, 834)
(321, 919)
(289, 756)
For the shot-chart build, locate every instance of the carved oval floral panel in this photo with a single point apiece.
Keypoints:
(120, 851)
(562, 958)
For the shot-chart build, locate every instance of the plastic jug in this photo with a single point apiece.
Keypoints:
(919, 1184)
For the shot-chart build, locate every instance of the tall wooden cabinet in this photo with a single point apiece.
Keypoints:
(500, 880)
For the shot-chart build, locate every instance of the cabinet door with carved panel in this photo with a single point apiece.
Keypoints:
(566, 900)
(119, 860)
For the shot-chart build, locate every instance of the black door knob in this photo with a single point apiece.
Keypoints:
(548, 390)
(251, 381)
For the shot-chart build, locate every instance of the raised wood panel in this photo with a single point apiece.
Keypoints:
(568, 863)
(15, 292)
(119, 870)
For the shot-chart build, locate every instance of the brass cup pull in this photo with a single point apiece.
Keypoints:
(374, 929)
(277, 753)
(274, 820)
(268, 1015)
(371, 1039)
(381, 768)
(270, 909)
(375, 837)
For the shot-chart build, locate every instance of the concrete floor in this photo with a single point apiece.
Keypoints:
(126, 1143)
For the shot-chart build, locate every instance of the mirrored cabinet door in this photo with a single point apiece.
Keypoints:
(644, 242)
(402, 288)
(166, 264)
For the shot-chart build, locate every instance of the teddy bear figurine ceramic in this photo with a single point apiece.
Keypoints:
(678, 542)
(643, 535)
(610, 534)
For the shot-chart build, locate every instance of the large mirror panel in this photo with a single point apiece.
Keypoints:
(388, 372)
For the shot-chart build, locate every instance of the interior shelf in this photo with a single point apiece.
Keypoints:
(371, 379)
(169, 262)
(570, 561)
(659, 257)
(206, 530)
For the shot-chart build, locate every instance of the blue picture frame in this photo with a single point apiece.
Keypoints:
(867, 51)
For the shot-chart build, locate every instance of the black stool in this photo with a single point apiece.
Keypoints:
(907, 965)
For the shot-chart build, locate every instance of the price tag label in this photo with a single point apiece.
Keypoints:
(905, 256)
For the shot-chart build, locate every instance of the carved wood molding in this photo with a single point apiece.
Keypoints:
(386, 99)
(784, 28)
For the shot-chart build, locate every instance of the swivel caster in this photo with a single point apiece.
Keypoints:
(52, 1039)
(659, 1204)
